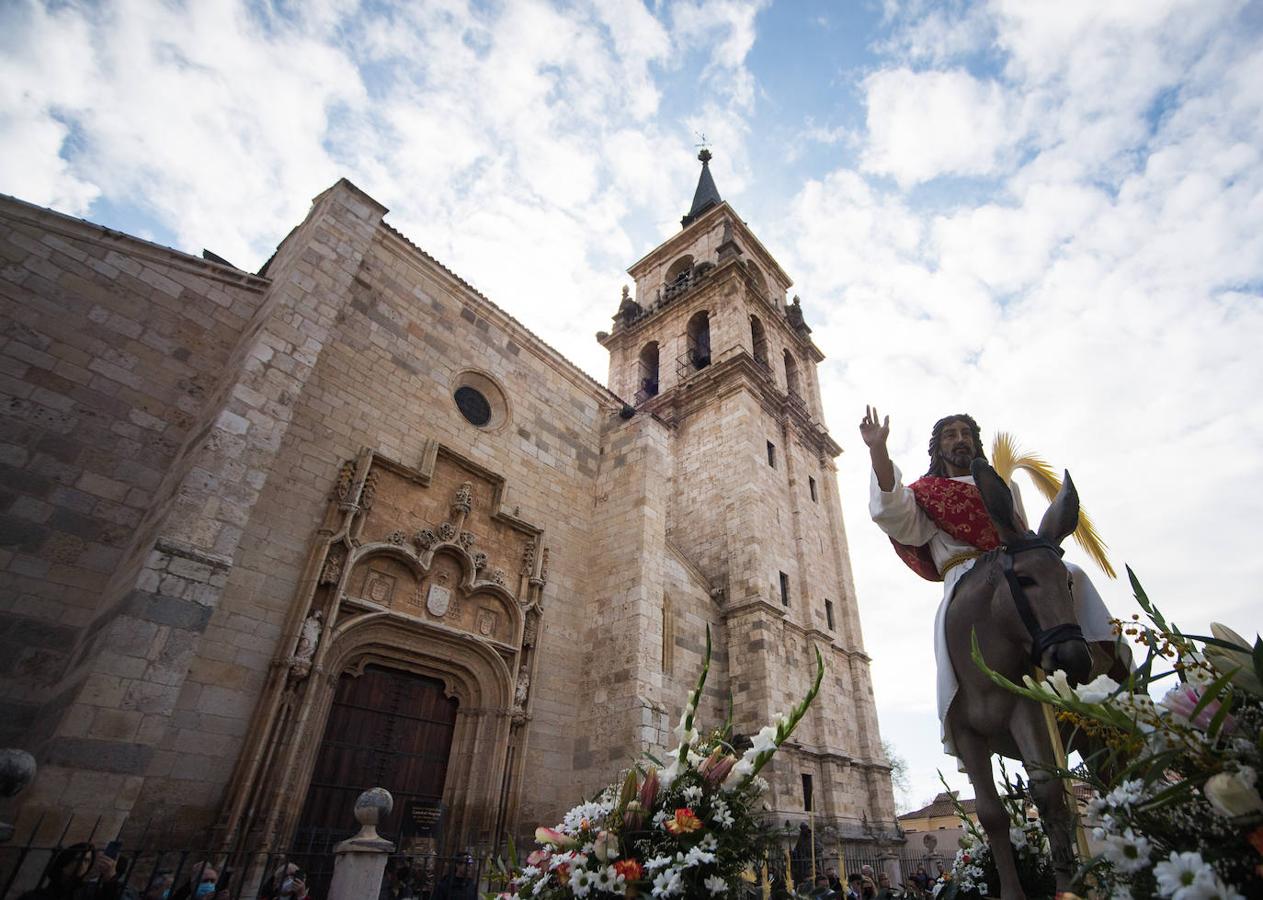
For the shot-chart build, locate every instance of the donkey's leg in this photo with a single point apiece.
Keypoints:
(976, 756)
(1030, 731)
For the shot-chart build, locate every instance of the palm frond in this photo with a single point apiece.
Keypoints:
(1007, 457)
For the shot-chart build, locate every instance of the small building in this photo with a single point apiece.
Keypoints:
(940, 821)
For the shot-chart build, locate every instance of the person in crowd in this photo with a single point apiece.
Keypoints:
(835, 883)
(397, 885)
(159, 885)
(458, 884)
(199, 883)
(66, 875)
(886, 891)
(921, 879)
(821, 890)
(287, 882)
(855, 887)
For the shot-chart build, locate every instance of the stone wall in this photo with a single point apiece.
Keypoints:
(176, 430)
(112, 349)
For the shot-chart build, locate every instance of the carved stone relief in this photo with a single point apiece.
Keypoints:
(379, 587)
(342, 488)
(332, 569)
(437, 600)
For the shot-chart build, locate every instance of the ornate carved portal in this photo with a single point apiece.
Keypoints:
(409, 574)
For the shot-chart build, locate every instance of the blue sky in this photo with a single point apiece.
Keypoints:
(1050, 215)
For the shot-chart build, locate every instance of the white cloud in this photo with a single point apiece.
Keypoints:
(925, 124)
(1102, 301)
(519, 143)
(727, 27)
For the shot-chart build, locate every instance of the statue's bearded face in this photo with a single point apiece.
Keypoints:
(956, 445)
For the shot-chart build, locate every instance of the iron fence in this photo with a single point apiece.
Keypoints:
(151, 869)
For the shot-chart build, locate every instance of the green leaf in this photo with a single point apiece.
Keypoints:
(1220, 716)
(1212, 693)
(1212, 641)
(1143, 599)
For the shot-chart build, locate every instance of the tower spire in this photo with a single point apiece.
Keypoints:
(706, 195)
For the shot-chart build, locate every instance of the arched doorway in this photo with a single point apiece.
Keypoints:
(386, 728)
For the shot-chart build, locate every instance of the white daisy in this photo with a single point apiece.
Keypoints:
(1128, 851)
(715, 884)
(1182, 871)
(609, 881)
(668, 883)
(581, 881)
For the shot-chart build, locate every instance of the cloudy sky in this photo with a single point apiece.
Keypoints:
(1047, 214)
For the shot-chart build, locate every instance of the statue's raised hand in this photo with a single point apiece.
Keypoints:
(873, 429)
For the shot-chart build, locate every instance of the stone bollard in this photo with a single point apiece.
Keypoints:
(360, 862)
(889, 863)
(17, 770)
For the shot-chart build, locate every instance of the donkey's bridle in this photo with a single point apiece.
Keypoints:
(1041, 639)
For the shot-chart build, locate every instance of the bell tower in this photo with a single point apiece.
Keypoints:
(707, 343)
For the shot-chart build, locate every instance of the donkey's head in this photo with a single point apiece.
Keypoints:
(1041, 613)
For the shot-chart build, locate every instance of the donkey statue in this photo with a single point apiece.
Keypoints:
(1017, 599)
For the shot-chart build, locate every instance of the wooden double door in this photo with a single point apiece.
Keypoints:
(387, 728)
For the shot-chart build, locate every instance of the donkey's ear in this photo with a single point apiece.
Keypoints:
(998, 500)
(1062, 517)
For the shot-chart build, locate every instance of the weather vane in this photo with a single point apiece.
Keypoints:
(701, 140)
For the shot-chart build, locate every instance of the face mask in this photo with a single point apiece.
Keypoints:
(205, 889)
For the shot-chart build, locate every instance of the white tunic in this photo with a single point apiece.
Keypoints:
(896, 512)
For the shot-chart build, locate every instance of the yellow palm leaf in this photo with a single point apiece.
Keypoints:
(1007, 458)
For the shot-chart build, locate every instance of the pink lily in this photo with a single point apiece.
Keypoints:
(715, 768)
(1183, 699)
(649, 790)
(554, 837)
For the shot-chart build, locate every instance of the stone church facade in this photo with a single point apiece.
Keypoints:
(270, 539)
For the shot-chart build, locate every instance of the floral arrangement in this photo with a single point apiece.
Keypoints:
(1177, 807)
(973, 868)
(690, 828)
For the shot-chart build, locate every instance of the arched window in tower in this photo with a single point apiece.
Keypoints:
(758, 337)
(791, 374)
(678, 277)
(648, 384)
(757, 280)
(699, 340)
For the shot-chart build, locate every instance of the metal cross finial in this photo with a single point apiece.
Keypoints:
(704, 155)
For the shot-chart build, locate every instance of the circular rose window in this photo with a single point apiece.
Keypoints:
(480, 400)
(473, 406)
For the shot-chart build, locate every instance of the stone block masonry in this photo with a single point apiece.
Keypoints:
(183, 484)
